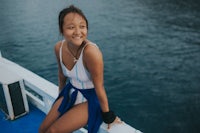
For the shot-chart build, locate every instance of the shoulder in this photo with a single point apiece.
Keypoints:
(92, 51)
(92, 57)
(57, 47)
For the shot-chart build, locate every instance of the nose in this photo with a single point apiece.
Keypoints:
(77, 31)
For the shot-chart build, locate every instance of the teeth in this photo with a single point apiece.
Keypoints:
(77, 37)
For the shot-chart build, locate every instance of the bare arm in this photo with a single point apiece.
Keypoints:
(61, 78)
(94, 63)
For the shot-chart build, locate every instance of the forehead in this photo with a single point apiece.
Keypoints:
(73, 18)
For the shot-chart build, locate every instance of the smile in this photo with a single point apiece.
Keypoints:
(77, 37)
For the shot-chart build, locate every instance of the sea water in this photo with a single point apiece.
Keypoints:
(151, 51)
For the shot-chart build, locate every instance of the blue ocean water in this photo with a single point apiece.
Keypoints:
(151, 54)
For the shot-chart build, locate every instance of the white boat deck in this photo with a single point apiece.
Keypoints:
(11, 72)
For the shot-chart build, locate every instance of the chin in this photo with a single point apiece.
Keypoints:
(77, 43)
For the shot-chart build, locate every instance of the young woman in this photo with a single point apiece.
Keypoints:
(82, 100)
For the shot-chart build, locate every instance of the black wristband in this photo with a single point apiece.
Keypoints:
(108, 117)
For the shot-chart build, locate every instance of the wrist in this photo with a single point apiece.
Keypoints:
(108, 117)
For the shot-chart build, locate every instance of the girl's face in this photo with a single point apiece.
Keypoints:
(74, 29)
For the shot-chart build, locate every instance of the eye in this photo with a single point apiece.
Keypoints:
(70, 27)
(82, 26)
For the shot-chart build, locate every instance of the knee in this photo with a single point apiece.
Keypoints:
(52, 129)
(45, 129)
(41, 129)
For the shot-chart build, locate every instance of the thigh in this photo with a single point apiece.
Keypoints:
(52, 116)
(73, 119)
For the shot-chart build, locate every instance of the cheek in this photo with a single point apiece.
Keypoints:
(86, 32)
(67, 33)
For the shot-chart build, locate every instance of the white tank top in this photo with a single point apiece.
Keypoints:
(79, 76)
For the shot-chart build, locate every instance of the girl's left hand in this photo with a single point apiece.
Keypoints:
(116, 121)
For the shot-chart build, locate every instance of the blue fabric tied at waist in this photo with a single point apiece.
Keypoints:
(94, 110)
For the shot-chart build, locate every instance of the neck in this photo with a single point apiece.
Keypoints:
(74, 50)
(72, 47)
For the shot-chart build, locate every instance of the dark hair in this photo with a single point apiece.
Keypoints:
(67, 10)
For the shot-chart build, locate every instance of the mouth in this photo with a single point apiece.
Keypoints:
(77, 37)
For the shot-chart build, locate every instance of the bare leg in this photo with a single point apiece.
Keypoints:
(72, 120)
(51, 117)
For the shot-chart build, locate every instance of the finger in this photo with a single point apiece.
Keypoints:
(108, 126)
(118, 120)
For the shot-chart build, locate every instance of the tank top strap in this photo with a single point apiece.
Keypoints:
(60, 51)
(85, 47)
